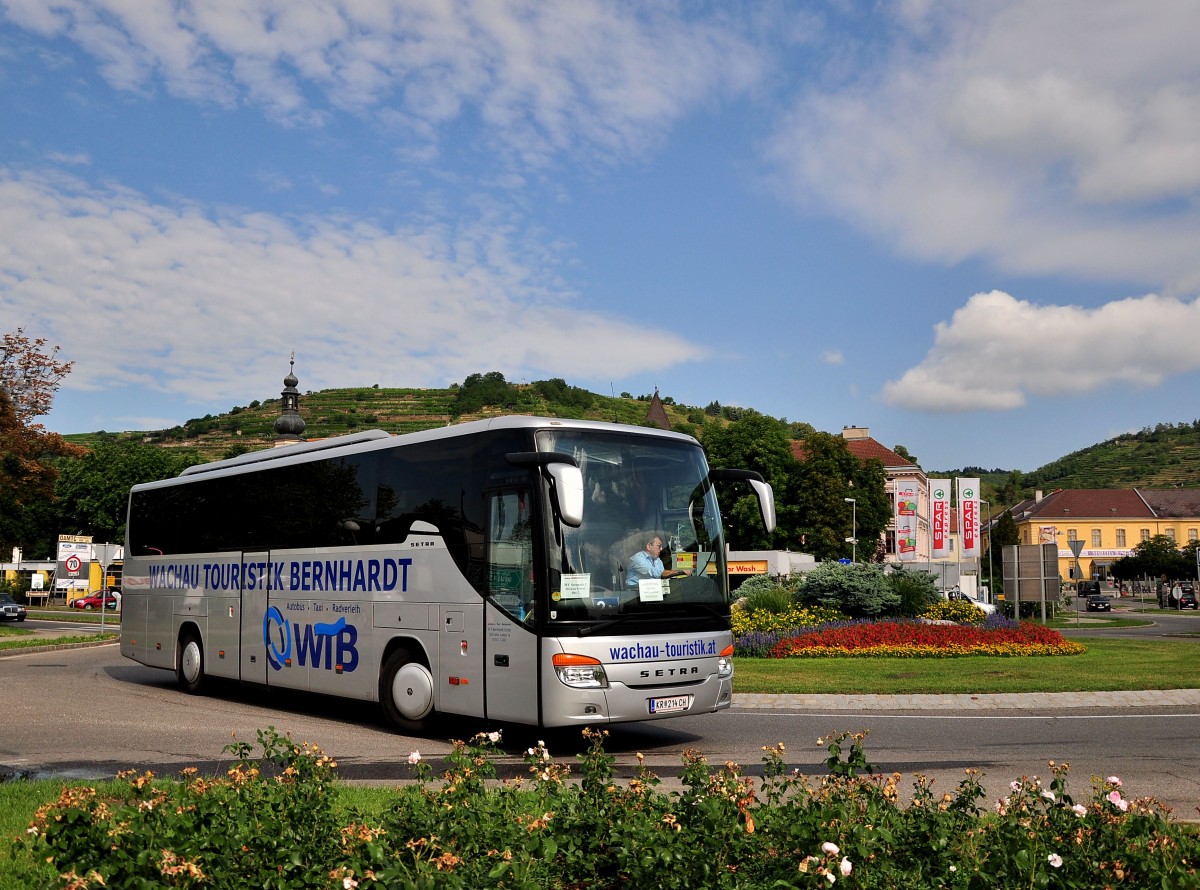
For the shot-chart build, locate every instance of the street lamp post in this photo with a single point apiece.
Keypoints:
(853, 539)
(991, 583)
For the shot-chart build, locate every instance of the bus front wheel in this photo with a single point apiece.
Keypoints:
(406, 692)
(190, 668)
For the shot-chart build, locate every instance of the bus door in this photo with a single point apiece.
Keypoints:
(258, 635)
(511, 657)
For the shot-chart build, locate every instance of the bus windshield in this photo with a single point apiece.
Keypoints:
(639, 492)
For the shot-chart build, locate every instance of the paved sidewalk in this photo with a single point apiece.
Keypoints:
(1028, 701)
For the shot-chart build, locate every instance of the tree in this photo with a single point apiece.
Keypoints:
(1156, 557)
(30, 375)
(820, 485)
(810, 494)
(93, 490)
(1003, 534)
(29, 378)
(1010, 491)
(760, 443)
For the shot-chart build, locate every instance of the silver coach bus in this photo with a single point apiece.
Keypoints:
(478, 569)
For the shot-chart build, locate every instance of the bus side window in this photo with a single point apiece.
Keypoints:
(510, 553)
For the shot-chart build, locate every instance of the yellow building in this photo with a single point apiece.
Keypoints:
(1109, 522)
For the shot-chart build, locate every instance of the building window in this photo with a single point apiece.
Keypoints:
(1095, 537)
(1120, 537)
(1145, 534)
(1171, 533)
(1192, 535)
(1072, 534)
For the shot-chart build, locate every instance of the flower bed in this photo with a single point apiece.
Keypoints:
(908, 639)
(569, 827)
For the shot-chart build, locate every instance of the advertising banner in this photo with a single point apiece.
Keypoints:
(907, 500)
(939, 517)
(968, 515)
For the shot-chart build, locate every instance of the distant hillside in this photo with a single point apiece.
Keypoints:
(333, 412)
(1164, 456)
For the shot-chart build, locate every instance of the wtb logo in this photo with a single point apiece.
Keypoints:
(316, 645)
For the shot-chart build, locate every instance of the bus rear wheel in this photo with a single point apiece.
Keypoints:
(406, 692)
(189, 669)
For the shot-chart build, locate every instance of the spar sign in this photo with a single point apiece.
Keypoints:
(968, 505)
(939, 520)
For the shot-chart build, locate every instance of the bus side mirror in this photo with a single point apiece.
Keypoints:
(567, 477)
(762, 490)
(568, 492)
(766, 502)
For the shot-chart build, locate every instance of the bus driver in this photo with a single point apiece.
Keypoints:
(646, 564)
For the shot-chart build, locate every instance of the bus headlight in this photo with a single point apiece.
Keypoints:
(725, 663)
(580, 671)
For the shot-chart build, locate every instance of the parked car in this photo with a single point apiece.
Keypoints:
(1187, 599)
(10, 609)
(1088, 588)
(1098, 602)
(92, 601)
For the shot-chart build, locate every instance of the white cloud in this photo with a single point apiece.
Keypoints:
(74, 159)
(1049, 138)
(610, 77)
(997, 351)
(170, 298)
(833, 357)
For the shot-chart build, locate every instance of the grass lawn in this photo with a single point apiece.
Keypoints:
(1107, 665)
(21, 638)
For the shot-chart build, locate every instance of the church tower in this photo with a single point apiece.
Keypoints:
(289, 426)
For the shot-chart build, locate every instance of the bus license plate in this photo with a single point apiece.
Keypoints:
(667, 705)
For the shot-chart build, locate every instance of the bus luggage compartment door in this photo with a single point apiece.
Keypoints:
(254, 639)
(460, 673)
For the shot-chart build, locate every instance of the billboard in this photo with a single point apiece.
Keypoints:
(907, 501)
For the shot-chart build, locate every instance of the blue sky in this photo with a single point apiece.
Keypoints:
(972, 228)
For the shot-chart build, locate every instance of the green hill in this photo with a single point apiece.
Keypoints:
(1163, 456)
(333, 412)
(1167, 455)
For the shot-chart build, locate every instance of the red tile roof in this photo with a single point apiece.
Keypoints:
(1086, 503)
(864, 449)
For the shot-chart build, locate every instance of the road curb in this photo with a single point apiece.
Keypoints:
(55, 647)
(1049, 701)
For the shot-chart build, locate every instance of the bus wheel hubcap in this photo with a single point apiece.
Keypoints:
(191, 662)
(412, 691)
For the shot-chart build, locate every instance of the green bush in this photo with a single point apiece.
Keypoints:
(272, 825)
(917, 591)
(762, 593)
(860, 590)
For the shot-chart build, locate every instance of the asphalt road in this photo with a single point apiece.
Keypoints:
(89, 713)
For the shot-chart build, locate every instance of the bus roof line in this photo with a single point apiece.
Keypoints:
(288, 451)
